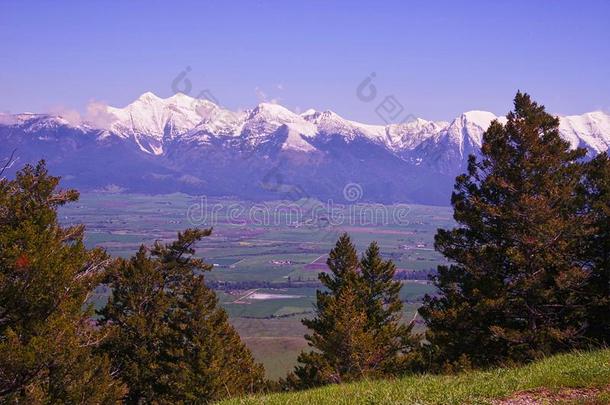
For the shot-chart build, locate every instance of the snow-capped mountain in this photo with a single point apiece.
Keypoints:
(185, 144)
(590, 131)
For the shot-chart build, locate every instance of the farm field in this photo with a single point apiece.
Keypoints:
(266, 256)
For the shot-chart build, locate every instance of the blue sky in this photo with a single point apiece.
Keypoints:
(436, 58)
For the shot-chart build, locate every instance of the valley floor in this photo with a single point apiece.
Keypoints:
(574, 378)
(274, 266)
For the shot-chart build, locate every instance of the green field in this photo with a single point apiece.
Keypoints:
(557, 379)
(273, 243)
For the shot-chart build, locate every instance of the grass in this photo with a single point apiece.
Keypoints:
(274, 342)
(277, 354)
(574, 370)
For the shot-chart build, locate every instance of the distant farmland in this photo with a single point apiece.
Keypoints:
(276, 262)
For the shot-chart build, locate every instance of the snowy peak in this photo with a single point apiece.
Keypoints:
(181, 143)
(409, 135)
(481, 119)
(308, 113)
(152, 122)
(268, 117)
(149, 97)
(331, 123)
(295, 141)
(274, 112)
(469, 128)
(590, 130)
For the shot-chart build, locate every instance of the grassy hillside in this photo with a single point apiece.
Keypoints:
(555, 374)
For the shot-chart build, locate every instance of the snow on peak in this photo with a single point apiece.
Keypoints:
(150, 121)
(308, 112)
(149, 96)
(266, 118)
(295, 141)
(590, 130)
(409, 135)
(32, 122)
(181, 96)
(330, 123)
(469, 127)
(273, 107)
(480, 118)
(274, 112)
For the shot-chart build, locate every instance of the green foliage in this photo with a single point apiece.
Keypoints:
(169, 339)
(574, 370)
(46, 275)
(596, 252)
(515, 292)
(381, 296)
(357, 331)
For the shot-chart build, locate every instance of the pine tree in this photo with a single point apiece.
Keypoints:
(394, 339)
(321, 366)
(596, 251)
(344, 350)
(169, 339)
(46, 276)
(513, 292)
(357, 331)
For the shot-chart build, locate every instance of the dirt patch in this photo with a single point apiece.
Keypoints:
(561, 396)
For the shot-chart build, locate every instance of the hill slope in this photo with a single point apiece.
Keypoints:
(550, 379)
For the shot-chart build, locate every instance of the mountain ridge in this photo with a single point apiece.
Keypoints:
(186, 144)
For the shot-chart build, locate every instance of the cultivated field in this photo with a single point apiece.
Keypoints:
(266, 259)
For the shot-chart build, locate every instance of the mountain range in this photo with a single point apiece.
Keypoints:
(184, 144)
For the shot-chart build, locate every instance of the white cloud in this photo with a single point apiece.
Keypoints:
(96, 115)
(69, 114)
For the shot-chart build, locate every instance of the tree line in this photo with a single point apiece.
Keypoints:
(220, 285)
(529, 277)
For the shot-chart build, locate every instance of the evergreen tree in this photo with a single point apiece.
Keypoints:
(356, 329)
(46, 276)
(169, 338)
(597, 249)
(393, 338)
(514, 291)
(320, 366)
(344, 350)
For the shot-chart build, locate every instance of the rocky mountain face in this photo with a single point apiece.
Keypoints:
(182, 144)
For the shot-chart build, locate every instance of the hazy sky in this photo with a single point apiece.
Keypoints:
(437, 58)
